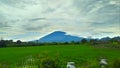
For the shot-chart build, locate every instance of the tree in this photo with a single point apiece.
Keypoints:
(84, 41)
(2, 43)
(95, 41)
(18, 42)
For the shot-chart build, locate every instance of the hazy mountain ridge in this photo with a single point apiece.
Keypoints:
(108, 38)
(60, 36)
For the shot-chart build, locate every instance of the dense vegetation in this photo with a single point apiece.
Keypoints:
(113, 43)
(85, 54)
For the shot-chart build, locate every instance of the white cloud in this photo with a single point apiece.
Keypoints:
(76, 17)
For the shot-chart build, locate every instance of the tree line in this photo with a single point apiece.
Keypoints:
(93, 42)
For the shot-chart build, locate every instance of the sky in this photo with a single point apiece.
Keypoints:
(32, 19)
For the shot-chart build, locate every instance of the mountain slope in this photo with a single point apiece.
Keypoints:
(59, 36)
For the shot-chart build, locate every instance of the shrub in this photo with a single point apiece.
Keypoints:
(49, 63)
(4, 65)
(116, 64)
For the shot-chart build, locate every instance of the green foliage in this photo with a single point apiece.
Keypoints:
(116, 64)
(83, 41)
(2, 43)
(112, 43)
(115, 43)
(48, 63)
(38, 61)
(83, 56)
(4, 65)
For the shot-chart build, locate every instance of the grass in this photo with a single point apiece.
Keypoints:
(79, 54)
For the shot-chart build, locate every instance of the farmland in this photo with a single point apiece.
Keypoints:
(82, 55)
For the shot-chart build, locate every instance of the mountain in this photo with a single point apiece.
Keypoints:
(117, 38)
(59, 36)
(105, 39)
(108, 38)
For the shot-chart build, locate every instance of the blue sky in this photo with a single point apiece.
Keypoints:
(32, 19)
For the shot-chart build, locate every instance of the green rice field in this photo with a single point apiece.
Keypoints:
(83, 56)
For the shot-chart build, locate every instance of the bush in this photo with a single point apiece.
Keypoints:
(4, 65)
(49, 63)
(39, 61)
(116, 64)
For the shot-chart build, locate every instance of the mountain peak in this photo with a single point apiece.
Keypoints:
(58, 32)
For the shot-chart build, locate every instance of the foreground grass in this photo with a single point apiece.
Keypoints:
(81, 54)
